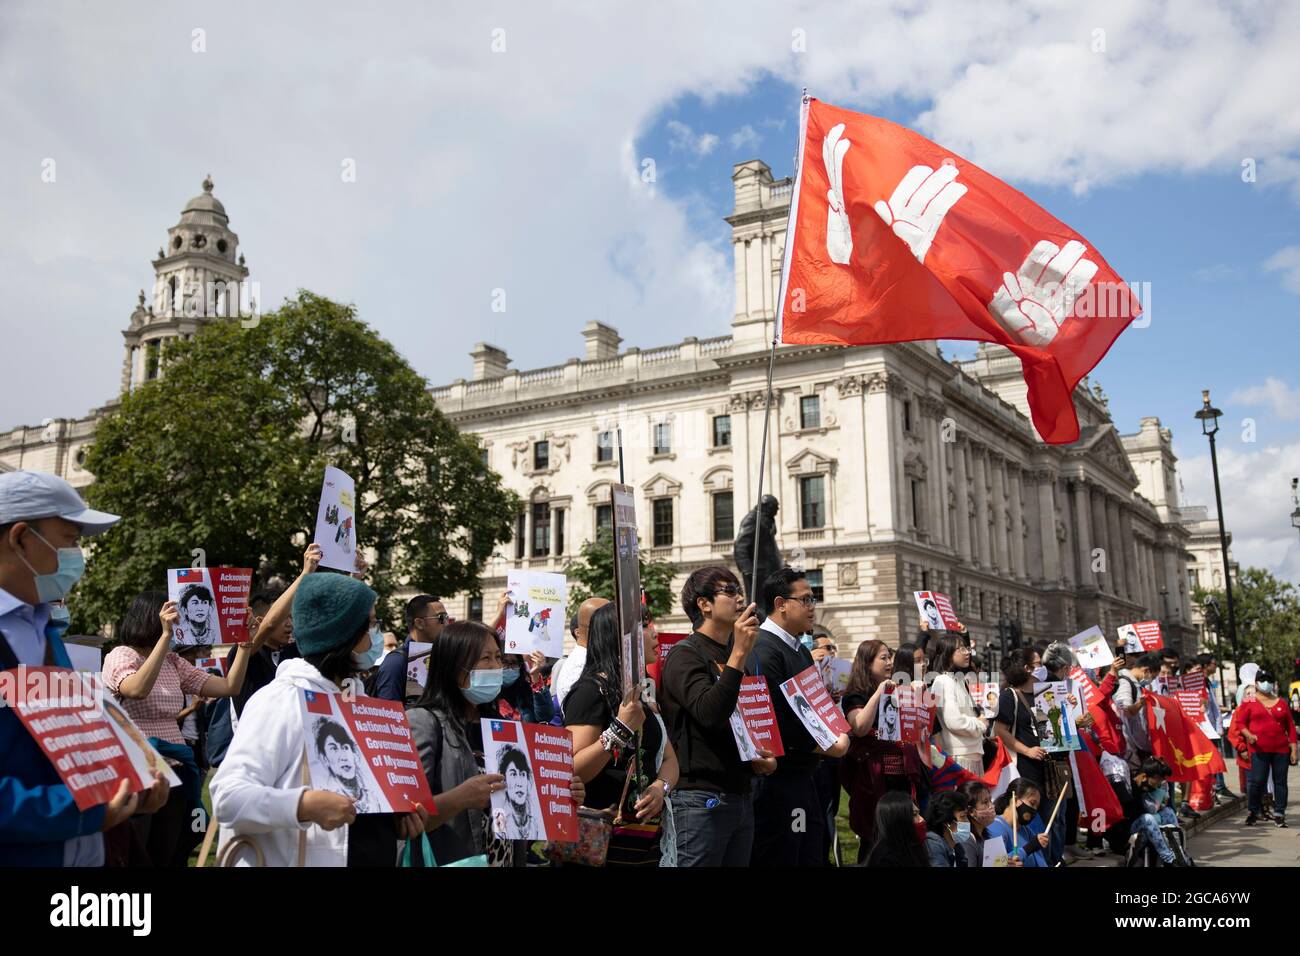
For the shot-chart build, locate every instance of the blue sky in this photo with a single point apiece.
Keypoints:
(497, 149)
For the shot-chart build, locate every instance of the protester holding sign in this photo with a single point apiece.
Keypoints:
(1129, 703)
(262, 793)
(425, 617)
(42, 521)
(1019, 826)
(613, 738)
(1015, 724)
(713, 810)
(777, 657)
(962, 730)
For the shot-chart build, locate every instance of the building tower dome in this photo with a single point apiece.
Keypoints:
(198, 276)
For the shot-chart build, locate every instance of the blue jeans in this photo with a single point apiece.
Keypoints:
(1148, 824)
(713, 829)
(1261, 765)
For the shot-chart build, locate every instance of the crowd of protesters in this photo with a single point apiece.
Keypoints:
(663, 763)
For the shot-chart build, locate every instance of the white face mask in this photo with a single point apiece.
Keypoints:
(1266, 687)
(1040, 673)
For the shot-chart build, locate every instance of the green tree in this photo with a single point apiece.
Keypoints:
(226, 453)
(1268, 621)
(591, 574)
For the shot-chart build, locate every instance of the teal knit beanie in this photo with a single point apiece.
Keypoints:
(329, 610)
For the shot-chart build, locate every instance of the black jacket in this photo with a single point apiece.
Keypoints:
(697, 695)
(776, 662)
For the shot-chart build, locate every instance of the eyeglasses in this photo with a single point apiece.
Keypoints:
(807, 600)
(440, 618)
(734, 590)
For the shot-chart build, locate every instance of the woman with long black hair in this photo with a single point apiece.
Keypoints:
(899, 833)
(465, 666)
(614, 737)
(961, 731)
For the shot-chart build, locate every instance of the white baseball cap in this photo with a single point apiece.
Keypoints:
(31, 495)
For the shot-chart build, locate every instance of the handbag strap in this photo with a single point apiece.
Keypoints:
(627, 782)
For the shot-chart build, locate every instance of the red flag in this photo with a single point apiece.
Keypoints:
(894, 238)
(1099, 806)
(1177, 741)
(999, 774)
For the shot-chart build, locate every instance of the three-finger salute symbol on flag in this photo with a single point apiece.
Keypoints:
(1033, 303)
(839, 239)
(916, 209)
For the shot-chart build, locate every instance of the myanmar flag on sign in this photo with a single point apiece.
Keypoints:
(894, 238)
(1177, 741)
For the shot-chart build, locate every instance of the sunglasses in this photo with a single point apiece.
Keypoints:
(734, 590)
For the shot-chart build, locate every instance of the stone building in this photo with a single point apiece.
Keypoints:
(897, 470)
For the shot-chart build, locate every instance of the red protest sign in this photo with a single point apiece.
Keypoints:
(936, 610)
(666, 643)
(213, 604)
(362, 749)
(1194, 681)
(914, 717)
(89, 739)
(537, 762)
(812, 704)
(1142, 636)
(1192, 703)
(753, 723)
(1091, 695)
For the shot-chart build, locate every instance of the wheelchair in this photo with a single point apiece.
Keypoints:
(1142, 854)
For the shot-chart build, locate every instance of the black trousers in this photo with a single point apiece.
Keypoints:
(789, 821)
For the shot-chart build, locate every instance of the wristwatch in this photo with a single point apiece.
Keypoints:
(667, 788)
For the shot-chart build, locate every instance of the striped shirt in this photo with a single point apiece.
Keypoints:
(155, 715)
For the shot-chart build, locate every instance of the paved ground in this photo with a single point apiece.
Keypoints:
(1225, 842)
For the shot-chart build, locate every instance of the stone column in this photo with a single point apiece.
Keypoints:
(1101, 539)
(1083, 531)
(1119, 567)
(962, 490)
(1017, 523)
(1051, 568)
(1001, 560)
(985, 558)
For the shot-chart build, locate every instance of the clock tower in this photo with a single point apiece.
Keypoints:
(199, 275)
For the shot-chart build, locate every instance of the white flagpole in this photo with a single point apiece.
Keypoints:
(791, 219)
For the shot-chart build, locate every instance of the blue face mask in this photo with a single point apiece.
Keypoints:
(1266, 687)
(509, 675)
(807, 642)
(963, 830)
(56, 586)
(367, 659)
(60, 614)
(484, 685)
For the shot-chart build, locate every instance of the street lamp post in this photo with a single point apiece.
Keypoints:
(1209, 419)
(1295, 498)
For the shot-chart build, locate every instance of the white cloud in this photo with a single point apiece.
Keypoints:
(682, 137)
(481, 170)
(1256, 485)
(744, 138)
(1282, 400)
(1287, 262)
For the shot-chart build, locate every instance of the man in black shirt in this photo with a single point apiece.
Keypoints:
(712, 808)
(425, 619)
(277, 647)
(789, 822)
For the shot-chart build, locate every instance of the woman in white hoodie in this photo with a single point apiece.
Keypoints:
(961, 733)
(263, 791)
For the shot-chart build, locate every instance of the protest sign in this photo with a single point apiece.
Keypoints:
(537, 762)
(914, 714)
(217, 664)
(1055, 717)
(535, 618)
(936, 610)
(995, 852)
(753, 722)
(363, 749)
(1141, 637)
(336, 530)
(91, 742)
(1091, 649)
(985, 695)
(835, 673)
(666, 643)
(1194, 681)
(812, 704)
(1083, 684)
(627, 586)
(84, 658)
(212, 604)
(1192, 703)
(417, 667)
